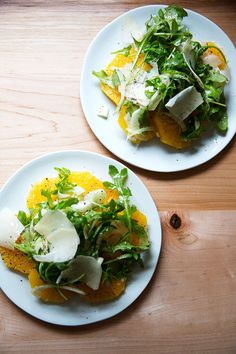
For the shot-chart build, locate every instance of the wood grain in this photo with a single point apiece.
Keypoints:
(190, 305)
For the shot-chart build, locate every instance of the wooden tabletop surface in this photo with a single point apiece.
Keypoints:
(190, 305)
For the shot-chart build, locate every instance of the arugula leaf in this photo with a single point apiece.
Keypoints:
(217, 78)
(48, 194)
(130, 107)
(192, 133)
(119, 180)
(175, 12)
(125, 51)
(115, 78)
(133, 255)
(105, 231)
(63, 204)
(126, 246)
(24, 219)
(155, 52)
(64, 186)
(103, 77)
(222, 123)
(168, 46)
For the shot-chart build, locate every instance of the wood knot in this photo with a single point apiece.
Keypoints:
(175, 221)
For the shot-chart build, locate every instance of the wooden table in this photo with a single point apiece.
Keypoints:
(190, 305)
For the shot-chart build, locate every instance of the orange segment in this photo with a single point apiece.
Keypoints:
(140, 218)
(142, 221)
(140, 62)
(218, 53)
(112, 93)
(119, 61)
(136, 139)
(89, 182)
(83, 179)
(46, 295)
(17, 260)
(121, 119)
(106, 291)
(165, 127)
(168, 131)
(35, 197)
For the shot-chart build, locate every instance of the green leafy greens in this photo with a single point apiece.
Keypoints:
(168, 46)
(105, 230)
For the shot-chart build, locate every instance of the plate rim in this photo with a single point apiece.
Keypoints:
(210, 156)
(109, 160)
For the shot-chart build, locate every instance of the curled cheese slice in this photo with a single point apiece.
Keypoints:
(87, 268)
(211, 60)
(10, 228)
(94, 197)
(51, 221)
(184, 103)
(61, 235)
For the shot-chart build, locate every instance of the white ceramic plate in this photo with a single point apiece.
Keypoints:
(75, 312)
(152, 156)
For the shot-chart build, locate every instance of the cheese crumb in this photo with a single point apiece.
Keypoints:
(103, 111)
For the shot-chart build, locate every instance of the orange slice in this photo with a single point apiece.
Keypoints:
(17, 260)
(136, 139)
(106, 291)
(112, 93)
(119, 61)
(140, 218)
(35, 197)
(168, 131)
(218, 53)
(47, 295)
(84, 179)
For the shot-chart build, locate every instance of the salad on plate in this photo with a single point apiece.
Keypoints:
(80, 235)
(166, 84)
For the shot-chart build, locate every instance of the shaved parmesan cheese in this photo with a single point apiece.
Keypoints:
(78, 190)
(82, 206)
(96, 196)
(86, 268)
(226, 72)
(51, 221)
(61, 235)
(154, 101)
(135, 88)
(211, 60)
(125, 71)
(63, 195)
(90, 200)
(10, 228)
(191, 61)
(135, 92)
(184, 103)
(63, 246)
(154, 70)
